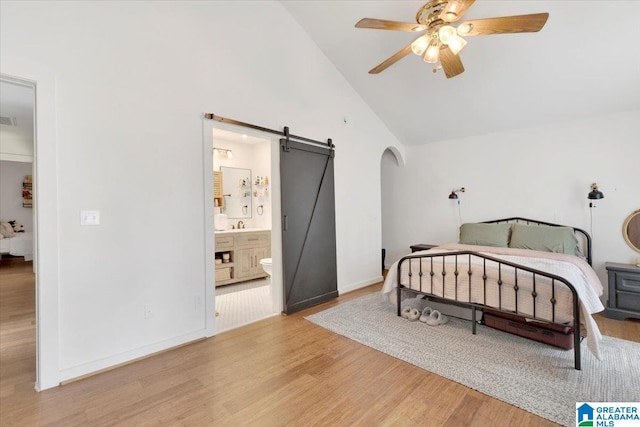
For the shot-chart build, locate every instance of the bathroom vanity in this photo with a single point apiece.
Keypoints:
(241, 252)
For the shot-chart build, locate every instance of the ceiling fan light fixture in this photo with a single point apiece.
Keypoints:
(432, 54)
(419, 45)
(439, 19)
(456, 44)
(465, 28)
(446, 33)
(451, 11)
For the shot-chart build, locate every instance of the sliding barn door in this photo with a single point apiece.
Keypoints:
(308, 225)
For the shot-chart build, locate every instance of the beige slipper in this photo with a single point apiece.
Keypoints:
(436, 318)
(405, 312)
(414, 314)
(425, 314)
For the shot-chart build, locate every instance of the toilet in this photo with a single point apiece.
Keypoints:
(266, 265)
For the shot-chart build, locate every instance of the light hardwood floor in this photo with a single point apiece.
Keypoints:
(283, 371)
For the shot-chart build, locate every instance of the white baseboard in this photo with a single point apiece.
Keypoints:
(359, 285)
(117, 360)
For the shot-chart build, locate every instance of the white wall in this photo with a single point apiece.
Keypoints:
(11, 177)
(121, 87)
(541, 173)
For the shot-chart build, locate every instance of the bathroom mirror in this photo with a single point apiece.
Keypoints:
(236, 190)
(631, 230)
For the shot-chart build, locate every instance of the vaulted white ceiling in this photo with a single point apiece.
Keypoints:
(584, 62)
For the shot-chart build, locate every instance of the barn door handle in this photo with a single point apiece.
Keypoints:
(286, 223)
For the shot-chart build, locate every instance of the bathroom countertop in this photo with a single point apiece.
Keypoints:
(242, 230)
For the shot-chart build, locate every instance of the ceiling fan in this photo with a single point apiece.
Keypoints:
(442, 42)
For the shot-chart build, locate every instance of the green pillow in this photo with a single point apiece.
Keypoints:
(485, 234)
(560, 240)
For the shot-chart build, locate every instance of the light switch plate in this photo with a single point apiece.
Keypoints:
(89, 217)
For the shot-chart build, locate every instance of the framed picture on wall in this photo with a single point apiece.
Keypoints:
(27, 192)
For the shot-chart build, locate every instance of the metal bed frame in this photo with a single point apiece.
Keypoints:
(462, 261)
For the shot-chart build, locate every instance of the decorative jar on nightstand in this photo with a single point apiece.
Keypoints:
(624, 291)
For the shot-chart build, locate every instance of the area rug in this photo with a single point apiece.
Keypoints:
(532, 376)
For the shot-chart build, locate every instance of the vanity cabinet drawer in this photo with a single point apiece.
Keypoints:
(224, 242)
(253, 239)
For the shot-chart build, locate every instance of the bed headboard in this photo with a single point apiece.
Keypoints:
(585, 240)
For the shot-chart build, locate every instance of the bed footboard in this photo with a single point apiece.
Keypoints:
(477, 281)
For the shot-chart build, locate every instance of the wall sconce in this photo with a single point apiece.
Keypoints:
(594, 194)
(454, 196)
(222, 153)
(454, 193)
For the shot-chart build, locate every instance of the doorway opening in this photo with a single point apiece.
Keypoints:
(391, 163)
(247, 289)
(18, 228)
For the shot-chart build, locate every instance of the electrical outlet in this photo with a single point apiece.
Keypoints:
(148, 311)
(197, 301)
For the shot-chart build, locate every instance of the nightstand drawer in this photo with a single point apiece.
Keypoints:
(624, 291)
(628, 282)
(628, 301)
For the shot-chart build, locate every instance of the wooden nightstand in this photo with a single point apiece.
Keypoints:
(421, 247)
(624, 291)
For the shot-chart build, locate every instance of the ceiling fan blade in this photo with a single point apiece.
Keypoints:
(455, 9)
(391, 60)
(451, 63)
(505, 24)
(383, 24)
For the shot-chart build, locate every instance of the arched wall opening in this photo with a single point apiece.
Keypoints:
(390, 164)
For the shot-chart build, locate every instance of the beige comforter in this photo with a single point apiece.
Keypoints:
(575, 270)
